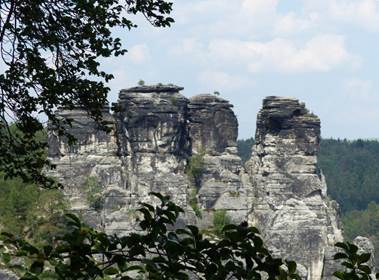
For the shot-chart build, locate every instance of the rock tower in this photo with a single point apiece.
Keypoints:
(291, 208)
(158, 138)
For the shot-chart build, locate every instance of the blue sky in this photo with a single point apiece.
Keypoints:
(324, 52)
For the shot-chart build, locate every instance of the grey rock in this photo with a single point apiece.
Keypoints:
(153, 119)
(153, 134)
(7, 275)
(213, 124)
(365, 245)
(291, 208)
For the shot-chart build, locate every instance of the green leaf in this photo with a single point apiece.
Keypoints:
(148, 206)
(111, 271)
(229, 227)
(193, 229)
(37, 267)
(291, 267)
(47, 250)
(365, 268)
(339, 275)
(342, 245)
(340, 256)
(74, 219)
(365, 257)
(135, 267)
(348, 265)
(6, 258)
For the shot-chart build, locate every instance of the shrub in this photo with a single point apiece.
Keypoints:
(29, 211)
(193, 202)
(195, 168)
(141, 82)
(173, 100)
(220, 219)
(93, 190)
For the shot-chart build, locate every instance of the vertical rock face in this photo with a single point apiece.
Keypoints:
(94, 155)
(158, 136)
(296, 218)
(154, 119)
(213, 130)
(213, 125)
(153, 137)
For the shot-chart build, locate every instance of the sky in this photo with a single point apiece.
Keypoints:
(323, 52)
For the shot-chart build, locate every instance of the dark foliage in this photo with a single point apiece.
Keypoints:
(153, 253)
(363, 223)
(351, 171)
(353, 262)
(50, 51)
(244, 148)
(156, 252)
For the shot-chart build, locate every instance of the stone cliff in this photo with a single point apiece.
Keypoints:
(163, 142)
(291, 207)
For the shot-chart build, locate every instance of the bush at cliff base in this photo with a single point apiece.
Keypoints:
(156, 252)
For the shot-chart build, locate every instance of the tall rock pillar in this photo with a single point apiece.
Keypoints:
(291, 207)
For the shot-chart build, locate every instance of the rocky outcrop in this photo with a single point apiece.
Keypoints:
(213, 129)
(7, 275)
(213, 125)
(291, 207)
(153, 143)
(92, 160)
(161, 141)
(154, 134)
(365, 245)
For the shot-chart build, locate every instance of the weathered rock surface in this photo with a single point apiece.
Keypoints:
(156, 131)
(213, 125)
(94, 155)
(7, 275)
(365, 245)
(291, 209)
(153, 135)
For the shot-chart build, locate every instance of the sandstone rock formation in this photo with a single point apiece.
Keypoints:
(154, 133)
(7, 275)
(158, 136)
(213, 125)
(366, 246)
(291, 207)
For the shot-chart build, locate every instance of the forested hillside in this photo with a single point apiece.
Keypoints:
(351, 169)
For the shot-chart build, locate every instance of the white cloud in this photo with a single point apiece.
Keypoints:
(259, 8)
(139, 53)
(219, 80)
(263, 18)
(363, 13)
(293, 23)
(319, 54)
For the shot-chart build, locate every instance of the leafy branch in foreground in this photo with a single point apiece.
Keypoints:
(155, 252)
(50, 53)
(354, 263)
